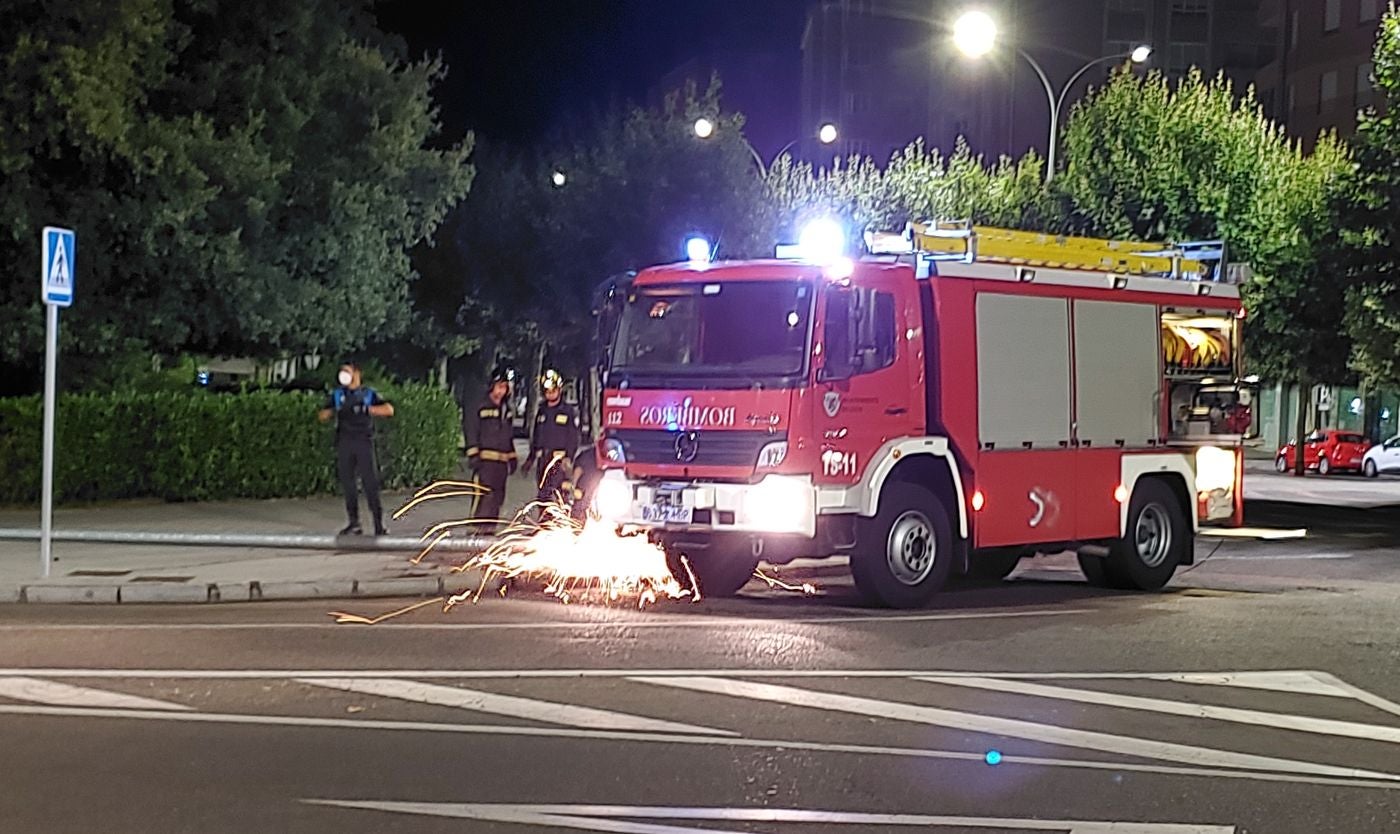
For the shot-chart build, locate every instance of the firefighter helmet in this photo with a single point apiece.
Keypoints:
(500, 374)
(551, 380)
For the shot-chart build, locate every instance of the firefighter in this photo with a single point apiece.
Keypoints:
(354, 408)
(553, 442)
(491, 445)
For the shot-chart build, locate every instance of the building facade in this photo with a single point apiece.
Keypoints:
(1320, 75)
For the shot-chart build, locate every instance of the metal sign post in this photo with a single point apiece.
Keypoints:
(56, 289)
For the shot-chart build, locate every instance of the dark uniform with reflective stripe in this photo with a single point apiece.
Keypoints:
(490, 453)
(552, 445)
(354, 450)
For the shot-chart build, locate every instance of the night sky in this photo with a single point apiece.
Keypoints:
(520, 69)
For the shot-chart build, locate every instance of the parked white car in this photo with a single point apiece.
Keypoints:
(1384, 457)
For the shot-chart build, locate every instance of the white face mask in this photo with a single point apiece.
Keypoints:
(346, 378)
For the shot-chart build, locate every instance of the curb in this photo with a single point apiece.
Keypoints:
(133, 593)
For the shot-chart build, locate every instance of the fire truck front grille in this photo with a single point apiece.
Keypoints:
(712, 448)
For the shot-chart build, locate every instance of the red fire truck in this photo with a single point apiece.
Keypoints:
(947, 409)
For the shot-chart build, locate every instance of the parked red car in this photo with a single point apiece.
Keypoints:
(1325, 451)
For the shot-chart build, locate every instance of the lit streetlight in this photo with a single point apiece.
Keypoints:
(975, 35)
(558, 179)
(826, 134)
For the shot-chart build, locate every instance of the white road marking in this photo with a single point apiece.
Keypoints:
(549, 712)
(1261, 533)
(1301, 683)
(615, 817)
(1360, 694)
(508, 674)
(675, 621)
(38, 691)
(1257, 718)
(1009, 727)
(1282, 557)
(1008, 760)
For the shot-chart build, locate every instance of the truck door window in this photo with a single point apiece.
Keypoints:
(860, 333)
(836, 336)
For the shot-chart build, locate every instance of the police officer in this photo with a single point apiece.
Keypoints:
(354, 408)
(491, 445)
(554, 441)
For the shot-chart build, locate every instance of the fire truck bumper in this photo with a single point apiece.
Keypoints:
(778, 504)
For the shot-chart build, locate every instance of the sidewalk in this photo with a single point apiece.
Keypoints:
(84, 572)
(1262, 483)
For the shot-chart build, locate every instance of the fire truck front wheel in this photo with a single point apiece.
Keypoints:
(1154, 542)
(904, 554)
(720, 571)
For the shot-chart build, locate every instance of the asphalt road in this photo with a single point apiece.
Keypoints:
(1259, 695)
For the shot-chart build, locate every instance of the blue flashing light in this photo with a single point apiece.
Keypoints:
(673, 426)
(697, 250)
(993, 757)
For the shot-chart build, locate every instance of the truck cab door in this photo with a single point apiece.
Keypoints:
(866, 379)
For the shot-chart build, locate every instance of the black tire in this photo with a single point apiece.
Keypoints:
(720, 571)
(1280, 464)
(1155, 543)
(1099, 572)
(1324, 466)
(904, 554)
(992, 566)
(1369, 468)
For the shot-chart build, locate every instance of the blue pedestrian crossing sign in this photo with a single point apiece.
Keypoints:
(56, 266)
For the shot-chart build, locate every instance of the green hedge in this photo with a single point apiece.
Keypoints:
(202, 446)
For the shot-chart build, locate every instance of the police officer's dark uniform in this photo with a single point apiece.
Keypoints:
(354, 452)
(553, 444)
(490, 449)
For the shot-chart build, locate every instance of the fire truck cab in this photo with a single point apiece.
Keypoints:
(944, 406)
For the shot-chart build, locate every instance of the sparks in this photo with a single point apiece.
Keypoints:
(575, 561)
(774, 582)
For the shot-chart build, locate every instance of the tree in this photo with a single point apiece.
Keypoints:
(1151, 160)
(244, 177)
(636, 182)
(919, 183)
(1368, 230)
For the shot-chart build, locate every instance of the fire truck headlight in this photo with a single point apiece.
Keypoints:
(613, 499)
(1215, 469)
(614, 452)
(779, 504)
(772, 455)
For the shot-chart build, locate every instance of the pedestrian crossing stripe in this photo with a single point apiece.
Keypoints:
(39, 696)
(636, 819)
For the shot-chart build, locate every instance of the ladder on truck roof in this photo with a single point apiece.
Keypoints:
(963, 241)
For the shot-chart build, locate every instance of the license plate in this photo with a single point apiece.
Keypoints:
(667, 513)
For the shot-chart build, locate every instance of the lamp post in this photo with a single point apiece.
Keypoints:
(975, 35)
(826, 134)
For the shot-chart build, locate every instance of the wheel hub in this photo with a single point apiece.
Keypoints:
(1153, 535)
(910, 550)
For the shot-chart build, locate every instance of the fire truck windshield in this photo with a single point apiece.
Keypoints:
(736, 333)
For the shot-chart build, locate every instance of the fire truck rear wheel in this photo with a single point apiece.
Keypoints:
(904, 555)
(1157, 536)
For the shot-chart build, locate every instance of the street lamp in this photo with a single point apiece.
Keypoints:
(826, 134)
(558, 179)
(975, 34)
